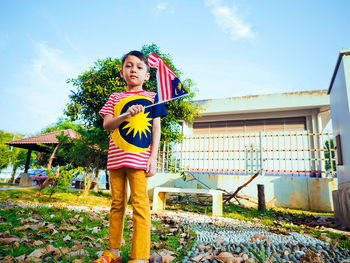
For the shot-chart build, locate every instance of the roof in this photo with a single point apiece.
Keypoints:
(41, 142)
(342, 53)
(265, 103)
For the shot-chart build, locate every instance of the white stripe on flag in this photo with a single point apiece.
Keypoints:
(159, 88)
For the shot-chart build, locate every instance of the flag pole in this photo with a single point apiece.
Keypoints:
(160, 102)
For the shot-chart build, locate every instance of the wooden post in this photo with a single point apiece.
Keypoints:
(28, 161)
(107, 180)
(261, 198)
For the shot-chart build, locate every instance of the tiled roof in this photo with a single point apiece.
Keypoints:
(34, 142)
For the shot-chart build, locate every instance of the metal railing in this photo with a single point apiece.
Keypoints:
(292, 153)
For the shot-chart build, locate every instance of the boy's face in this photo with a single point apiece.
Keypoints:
(134, 72)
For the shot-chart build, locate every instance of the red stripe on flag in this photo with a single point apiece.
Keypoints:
(162, 82)
(166, 81)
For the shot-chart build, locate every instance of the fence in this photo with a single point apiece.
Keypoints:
(292, 153)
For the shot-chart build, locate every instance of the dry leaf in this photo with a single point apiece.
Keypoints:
(67, 238)
(76, 247)
(167, 256)
(32, 219)
(155, 258)
(80, 252)
(219, 239)
(33, 227)
(227, 257)
(20, 258)
(279, 232)
(38, 243)
(208, 256)
(49, 227)
(68, 228)
(73, 221)
(257, 237)
(9, 240)
(197, 258)
(95, 230)
(6, 234)
(158, 245)
(203, 247)
(8, 259)
(78, 261)
(16, 245)
(38, 253)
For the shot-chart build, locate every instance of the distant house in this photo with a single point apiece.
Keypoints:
(280, 134)
(296, 111)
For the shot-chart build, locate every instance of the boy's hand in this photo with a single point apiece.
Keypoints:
(135, 109)
(151, 167)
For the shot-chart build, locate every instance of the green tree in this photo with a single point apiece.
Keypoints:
(58, 158)
(62, 124)
(5, 153)
(94, 87)
(18, 160)
(56, 155)
(83, 153)
(329, 155)
(11, 155)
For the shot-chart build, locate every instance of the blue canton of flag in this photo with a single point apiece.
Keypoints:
(169, 86)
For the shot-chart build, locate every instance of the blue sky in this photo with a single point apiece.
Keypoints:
(227, 47)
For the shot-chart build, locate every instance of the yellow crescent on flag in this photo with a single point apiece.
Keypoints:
(134, 134)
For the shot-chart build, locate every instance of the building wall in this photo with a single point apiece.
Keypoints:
(340, 108)
(253, 125)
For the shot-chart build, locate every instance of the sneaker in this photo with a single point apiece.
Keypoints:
(108, 257)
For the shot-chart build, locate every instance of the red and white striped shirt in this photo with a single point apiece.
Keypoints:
(130, 143)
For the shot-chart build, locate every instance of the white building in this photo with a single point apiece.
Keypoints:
(279, 133)
(339, 91)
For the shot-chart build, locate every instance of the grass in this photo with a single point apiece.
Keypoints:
(160, 235)
(7, 184)
(65, 199)
(91, 241)
(10, 219)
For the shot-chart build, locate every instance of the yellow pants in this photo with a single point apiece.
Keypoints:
(141, 238)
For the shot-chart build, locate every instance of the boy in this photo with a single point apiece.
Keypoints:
(132, 156)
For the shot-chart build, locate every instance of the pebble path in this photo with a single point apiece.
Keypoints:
(237, 236)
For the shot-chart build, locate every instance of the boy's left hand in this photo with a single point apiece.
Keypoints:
(151, 167)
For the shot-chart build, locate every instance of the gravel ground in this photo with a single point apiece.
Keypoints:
(217, 235)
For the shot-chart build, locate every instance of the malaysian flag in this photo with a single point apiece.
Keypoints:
(169, 86)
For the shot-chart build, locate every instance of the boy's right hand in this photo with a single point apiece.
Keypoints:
(135, 109)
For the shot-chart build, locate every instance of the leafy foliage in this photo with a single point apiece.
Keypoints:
(84, 155)
(94, 87)
(62, 124)
(330, 154)
(62, 180)
(15, 156)
(261, 257)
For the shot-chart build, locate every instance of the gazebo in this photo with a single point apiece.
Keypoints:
(41, 143)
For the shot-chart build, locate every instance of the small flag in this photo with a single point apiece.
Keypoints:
(168, 85)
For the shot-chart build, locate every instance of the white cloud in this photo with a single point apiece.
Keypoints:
(50, 64)
(164, 6)
(161, 6)
(229, 20)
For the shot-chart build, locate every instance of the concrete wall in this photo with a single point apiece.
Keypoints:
(340, 110)
(339, 91)
(292, 192)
